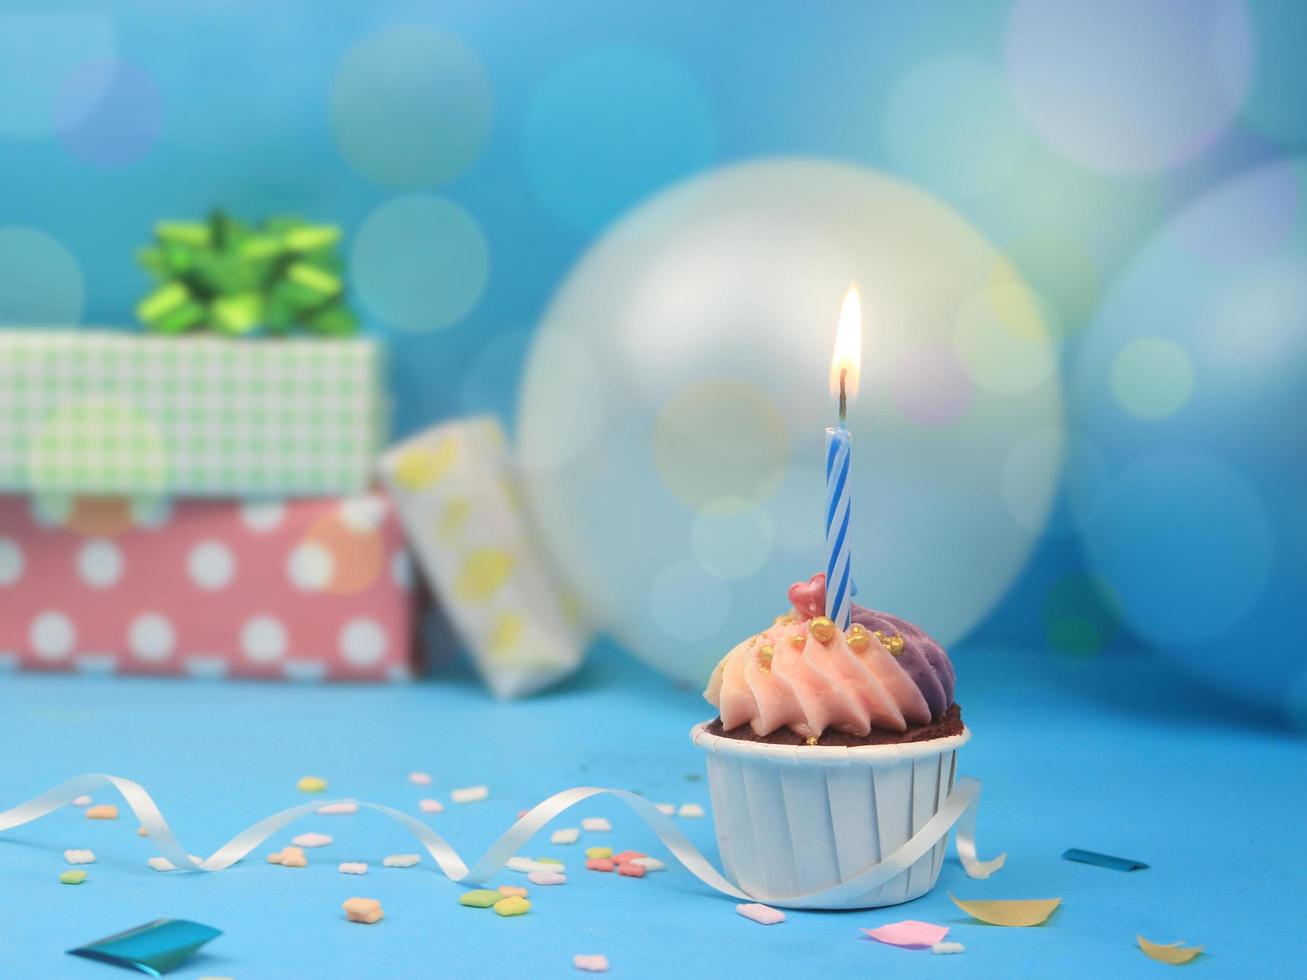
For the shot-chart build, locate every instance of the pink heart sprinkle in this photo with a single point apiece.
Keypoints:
(809, 597)
(909, 932)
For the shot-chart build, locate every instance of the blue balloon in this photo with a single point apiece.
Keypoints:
(1193, 384)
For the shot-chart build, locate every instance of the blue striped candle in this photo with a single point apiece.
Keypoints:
(839, 601)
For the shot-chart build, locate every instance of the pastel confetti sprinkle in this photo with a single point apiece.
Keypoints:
(142, 832)
(82, 801)
(352, 868)
(1011, 912)
(591, 962)
(909, 932)
(632, 870)
(546, 878)
(650, 864)
(596, 824)
(431, 806)
(945, 948)
(420, 778)
(762, 914)
(289, 857)
(599, 864)
(565, 835)
(666, 809)
(627, 856)
(526, 865)
(72, 877)
(598, 853)
(514, 889)
(469, 794)
(79, 857)
(366, 910)
(1176, 954)
(690, 810)
(311, 840)
(102, 811)
(311, 784)
(339, 808)
(549, 860)
(479, 898)
(400, 860)
(161, 864)
(512, 906)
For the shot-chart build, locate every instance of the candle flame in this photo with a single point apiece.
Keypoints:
(847, 359)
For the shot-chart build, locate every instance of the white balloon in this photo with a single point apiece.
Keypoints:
(684, 362)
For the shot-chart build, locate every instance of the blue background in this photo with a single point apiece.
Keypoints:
(558, 119)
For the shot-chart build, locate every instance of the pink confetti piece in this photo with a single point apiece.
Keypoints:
(591, 963)
(909, 932)
(420, 778)
(431, 806)
(762, 914)
(546, 878)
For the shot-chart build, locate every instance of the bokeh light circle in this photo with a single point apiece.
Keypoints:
(1194, 515)
(693, 495)
(420, 262)
(956, 109)
(1274, 105)
(1129, 86)
(610, 126)
(38, 51)
(109, 113)
(411, 107)
(42, 283)
(1152, 377)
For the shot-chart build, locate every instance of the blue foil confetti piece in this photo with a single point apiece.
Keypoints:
(1103, 860)
(154, 948)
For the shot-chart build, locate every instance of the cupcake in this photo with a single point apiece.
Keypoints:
(831, 749)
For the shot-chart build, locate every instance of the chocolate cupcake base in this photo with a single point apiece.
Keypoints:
(949, 724)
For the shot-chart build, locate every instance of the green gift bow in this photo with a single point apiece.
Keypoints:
(234, 278)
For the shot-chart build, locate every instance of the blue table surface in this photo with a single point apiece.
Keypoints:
(1114, 756)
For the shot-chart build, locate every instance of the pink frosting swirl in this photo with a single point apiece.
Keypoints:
(809, 676)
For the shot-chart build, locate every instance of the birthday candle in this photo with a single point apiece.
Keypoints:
(845, 366)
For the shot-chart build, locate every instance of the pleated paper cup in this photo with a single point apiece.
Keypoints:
(793, 820)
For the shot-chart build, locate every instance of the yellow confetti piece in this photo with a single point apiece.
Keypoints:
(483, 574)
(1008, 912)
(311, 784)
(422, 466)
(1173, 953)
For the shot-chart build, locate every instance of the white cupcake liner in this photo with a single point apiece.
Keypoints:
(797, 820)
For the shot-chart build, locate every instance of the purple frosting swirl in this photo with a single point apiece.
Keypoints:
(922, 658)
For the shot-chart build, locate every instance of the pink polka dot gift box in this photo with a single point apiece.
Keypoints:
(309, 589)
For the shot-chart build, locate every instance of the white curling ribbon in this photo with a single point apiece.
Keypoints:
(959, 808)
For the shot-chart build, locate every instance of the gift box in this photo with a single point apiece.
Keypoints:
(307, 589)
(111, 413)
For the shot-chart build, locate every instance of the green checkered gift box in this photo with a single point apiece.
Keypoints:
(112, 413)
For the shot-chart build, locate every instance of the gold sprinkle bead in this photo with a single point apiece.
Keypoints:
(812, 739)
(764, 659)
(798, 639)
(857, 628)
(822, 628)
(894, 644)
(858, 642)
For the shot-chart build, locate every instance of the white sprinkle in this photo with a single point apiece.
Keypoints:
(420, 778)
(690, 810)
(591, 962)
(650, 864)
(312, 840)
(526, 865)
(353, 868)
(339, 808)
(469, 794)
(666, 809)
(947, 948)
(79, 857)
(161, 864)
(546, 878)
(565, 835)
(401, 860)
(764, 914)
(82, 801)
(596, 823)
(431, 806)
